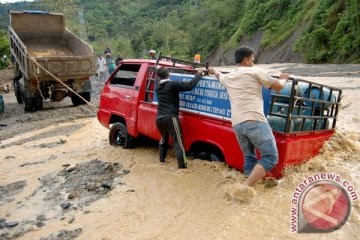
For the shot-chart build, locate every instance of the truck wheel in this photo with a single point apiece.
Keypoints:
(78, 101)
(39, 103)
(18, 93)
(33, 104)
(208, 152)
(209, 156)
(29, 104)
(119, 136)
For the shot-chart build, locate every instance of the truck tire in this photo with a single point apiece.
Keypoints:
(119, 136)
(18, 93)
(39, 103)
(208, 152)
(29, 104)
(78, 101)
(33, 104)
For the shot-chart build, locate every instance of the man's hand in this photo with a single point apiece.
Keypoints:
(212, 71)
(284, 76)
(200, 70)
(280, 83)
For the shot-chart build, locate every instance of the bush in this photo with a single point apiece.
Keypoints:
(4, 49)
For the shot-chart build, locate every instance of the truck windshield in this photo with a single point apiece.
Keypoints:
(126, 75)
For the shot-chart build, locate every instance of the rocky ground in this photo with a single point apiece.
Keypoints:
(71, 189)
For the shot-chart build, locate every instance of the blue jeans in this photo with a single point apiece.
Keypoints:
(254, 134)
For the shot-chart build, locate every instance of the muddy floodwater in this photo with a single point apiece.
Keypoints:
(60, 179)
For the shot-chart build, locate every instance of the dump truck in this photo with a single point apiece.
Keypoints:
(41, 38)
(302, 116)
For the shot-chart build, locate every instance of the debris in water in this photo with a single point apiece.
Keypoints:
(72, 195)
(11, 224)
(65, 205)
(64, 234)
(70, 168)
(106, 184)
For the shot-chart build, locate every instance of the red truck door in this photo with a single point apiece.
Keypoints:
(123, 82)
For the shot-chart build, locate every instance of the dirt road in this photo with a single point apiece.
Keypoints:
(50, 185)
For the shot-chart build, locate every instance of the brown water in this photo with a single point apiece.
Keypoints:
(169, 203)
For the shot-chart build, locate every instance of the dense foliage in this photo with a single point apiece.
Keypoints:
(4, 22)
(4, 49)
(182, 28)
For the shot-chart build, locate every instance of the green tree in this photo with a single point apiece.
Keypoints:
(68, 8)
(4, 49)
(325, 30)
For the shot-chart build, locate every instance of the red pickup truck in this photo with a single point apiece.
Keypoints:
(303, 116)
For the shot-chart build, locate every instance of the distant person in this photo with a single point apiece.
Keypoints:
(152, 54)
(5, 89)
(107, 50)
(118, 60)
(250, 125)
(167, 120)
(101, 64)
(110, 63)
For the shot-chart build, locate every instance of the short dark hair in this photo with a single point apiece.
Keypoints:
(243, 52)
(162, 73)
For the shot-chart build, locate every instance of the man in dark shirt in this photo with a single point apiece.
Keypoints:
(107, 50)
(167, 120)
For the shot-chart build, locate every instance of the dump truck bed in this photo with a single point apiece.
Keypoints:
(44, 38)
(48, 49)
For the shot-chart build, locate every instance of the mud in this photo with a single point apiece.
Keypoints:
(8, 191)
(62, 193)
(64, 235)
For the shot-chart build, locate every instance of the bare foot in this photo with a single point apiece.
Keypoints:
(240, 192)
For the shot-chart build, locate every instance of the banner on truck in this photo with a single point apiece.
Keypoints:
(209, 97)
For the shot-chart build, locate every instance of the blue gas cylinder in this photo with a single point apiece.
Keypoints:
(278, 123)
(286, 91)
(314, 93)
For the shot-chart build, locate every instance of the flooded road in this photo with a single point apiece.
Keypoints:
(158, 201)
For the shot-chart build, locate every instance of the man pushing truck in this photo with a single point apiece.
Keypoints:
(248, 120)
(167, 120)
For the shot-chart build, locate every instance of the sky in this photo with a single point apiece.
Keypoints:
(12, 1)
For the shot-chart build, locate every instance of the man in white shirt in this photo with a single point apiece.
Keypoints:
(247, 114)
(101, 64)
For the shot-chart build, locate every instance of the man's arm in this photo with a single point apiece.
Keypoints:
(190, 85)
(217, 74)
(280, 83)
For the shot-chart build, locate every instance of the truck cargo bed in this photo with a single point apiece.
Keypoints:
(49, 49)
(45, 38)
(50, 62)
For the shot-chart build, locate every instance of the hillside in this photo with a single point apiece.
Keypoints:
(311, 31)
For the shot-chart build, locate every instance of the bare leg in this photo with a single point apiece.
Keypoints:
(257, 173)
